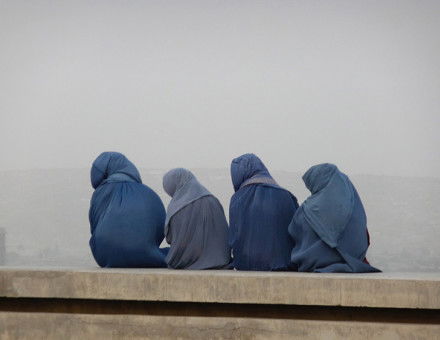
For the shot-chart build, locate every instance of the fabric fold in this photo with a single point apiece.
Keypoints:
(196, 226)
(259, 214)
(126, 217)
(330, 228)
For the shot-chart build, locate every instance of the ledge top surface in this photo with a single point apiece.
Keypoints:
(376, 290)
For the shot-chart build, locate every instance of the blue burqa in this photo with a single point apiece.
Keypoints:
(126, 217)
(195, 226)
(259, 215)
(330, 227)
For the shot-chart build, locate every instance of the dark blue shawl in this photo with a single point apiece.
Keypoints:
(259, 214)
(330, 227)
(126, 217)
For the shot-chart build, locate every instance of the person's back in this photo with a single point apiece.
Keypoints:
(196, 226)
(126, 216)
(330, 228)
(259, 214)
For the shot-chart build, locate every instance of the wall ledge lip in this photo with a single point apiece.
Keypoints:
(376, 290)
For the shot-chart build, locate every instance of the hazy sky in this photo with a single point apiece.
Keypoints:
(196, 83)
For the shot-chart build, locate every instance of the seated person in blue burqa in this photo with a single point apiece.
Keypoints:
(259, 215)
(330, 228)
(195, 226)
(126, 217)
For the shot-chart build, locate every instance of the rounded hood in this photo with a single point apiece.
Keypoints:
(318, 176)
(110, 163)
(246, 167)
(175, 179)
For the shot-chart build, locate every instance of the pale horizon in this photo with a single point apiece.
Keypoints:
(197, 83)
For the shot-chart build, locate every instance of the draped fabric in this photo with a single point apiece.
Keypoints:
(126, 217)
(259, 214)
(184, 188)
(196, 226)
(330, 228)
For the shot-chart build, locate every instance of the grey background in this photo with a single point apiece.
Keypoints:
(196, 83)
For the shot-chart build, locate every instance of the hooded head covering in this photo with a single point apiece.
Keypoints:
(184, 188)
(110, 164)
(330, 228)
(329, 208)
(196, 225)
(249, 169)
(259, 214)
(126, 217)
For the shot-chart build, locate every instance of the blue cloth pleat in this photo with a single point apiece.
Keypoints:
(330, 228)
(126, 217)
(259, 214)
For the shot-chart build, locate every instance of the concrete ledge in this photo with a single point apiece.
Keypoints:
(82, 326)
(377, 290)
(50, 303)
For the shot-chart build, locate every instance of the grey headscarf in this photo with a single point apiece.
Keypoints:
(196, 225)
(184, 188)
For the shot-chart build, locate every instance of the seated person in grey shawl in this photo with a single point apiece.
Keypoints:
(195, 225)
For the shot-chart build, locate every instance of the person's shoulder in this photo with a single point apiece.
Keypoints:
(207, 199)
(213, 200)
(146, 189)
(282, 192)
(275, 188)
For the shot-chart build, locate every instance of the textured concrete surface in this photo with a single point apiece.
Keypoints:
(366, 290)
(51, 303)
(82, 326)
